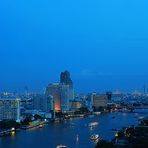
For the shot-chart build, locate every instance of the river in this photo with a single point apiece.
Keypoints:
(66, 133)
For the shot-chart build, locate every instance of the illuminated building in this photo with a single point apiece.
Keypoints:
(55, 91)
(62, 92)
(10, 109)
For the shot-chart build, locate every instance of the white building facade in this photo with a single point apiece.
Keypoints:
(10, 109)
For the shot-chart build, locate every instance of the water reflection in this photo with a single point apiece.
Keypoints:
(66, 132)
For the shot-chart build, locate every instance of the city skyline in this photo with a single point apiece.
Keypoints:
(73, 74)
(21, 89)
(103, 44)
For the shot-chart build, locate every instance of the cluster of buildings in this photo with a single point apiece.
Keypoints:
(58, 97)
(62, 92)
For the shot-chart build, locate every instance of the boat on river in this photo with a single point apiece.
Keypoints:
(61, 146)
(93, 124)
(94, 137)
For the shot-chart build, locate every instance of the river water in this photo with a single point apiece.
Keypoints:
(65, 133)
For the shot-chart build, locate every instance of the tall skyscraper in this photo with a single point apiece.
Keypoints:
(62, 92)
(65, 79)
(66, 96)
(67, 92)
(55, 91)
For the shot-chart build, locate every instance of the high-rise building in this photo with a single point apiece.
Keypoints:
(66, 96)
(62, 92)
(65, 78)
(10, 109)
(55, 91)
(67, 92)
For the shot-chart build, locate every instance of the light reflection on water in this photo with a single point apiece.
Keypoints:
(66, 133)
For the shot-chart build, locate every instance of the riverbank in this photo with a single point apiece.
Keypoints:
(39, 124)
(7, 132)
(65, 132)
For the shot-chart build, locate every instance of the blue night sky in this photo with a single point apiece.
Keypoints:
(103, 43)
